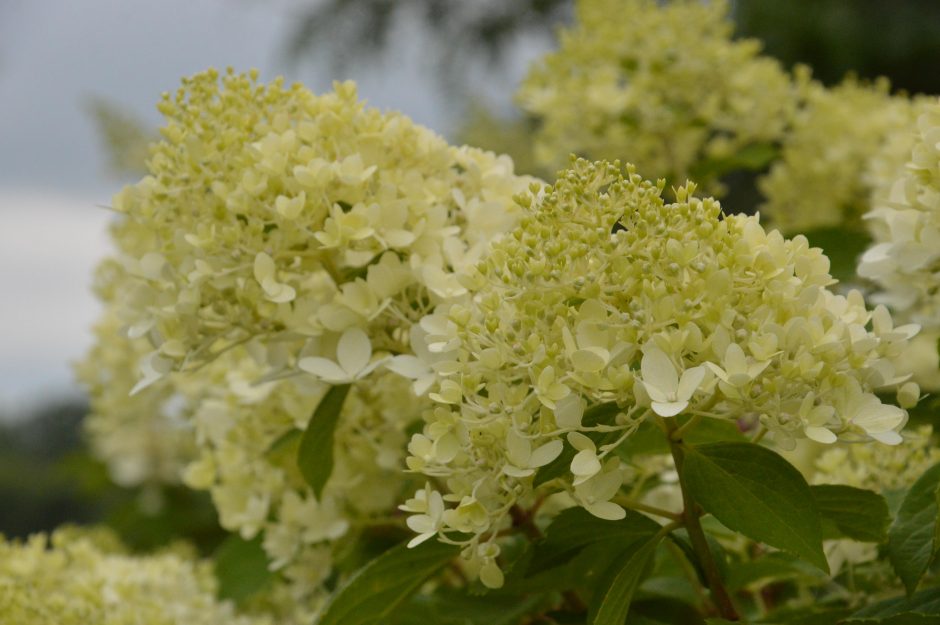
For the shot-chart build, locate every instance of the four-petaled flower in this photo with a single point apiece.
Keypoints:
(354, 353)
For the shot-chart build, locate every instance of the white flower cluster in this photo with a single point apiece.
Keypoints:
(247, 438)
(608, 301)
(904, 258)
(79, 578)
(142, 438)
(283, 243)
(832, 166)
(882, 470)
(878, 468)
(906, 227)
(662, 85)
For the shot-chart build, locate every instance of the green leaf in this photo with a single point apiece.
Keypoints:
(315, 454)
(817, 614)
(753, 157)
(772, 567)
(580, 572)
(576, 528)
(377, 589)
(672, 588)
(911, 540)
(283, 450)
(905, 618)
(241, 567)
(922, 607)
(712, 431)
(450, 607)
(601, 414)
(856, 513)
(611, 603)
(649, 438)
(663, 612)
(752, 490)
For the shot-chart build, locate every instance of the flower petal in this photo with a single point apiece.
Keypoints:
(659, 374)
(353, 351)
(546, 453)
(607, 510)
(585, 463)
(669, 409)
(326, 370)
(407, 366)
(691, 379)
(569, 411)
(819, 434)
(518, 449)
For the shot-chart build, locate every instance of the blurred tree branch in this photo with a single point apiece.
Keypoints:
(460, 31)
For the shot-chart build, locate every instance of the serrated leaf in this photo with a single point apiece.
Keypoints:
(315, 454)
(712, 431)
(576, 528)
(580, 572)
(241, 568)
(378, 588)
(772, 567)
(752, 490)
(855, 512)
(906, 618)
(611, 603)
(662, 612)
(816, 614)
(601, 414)
(450, 607)
(911, 541)
(914, 609)
(649, 438)
(671, 588)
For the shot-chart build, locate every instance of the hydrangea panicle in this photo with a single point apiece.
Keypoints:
(283, 242)
(605, 293)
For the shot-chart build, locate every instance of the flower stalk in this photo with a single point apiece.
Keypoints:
(690, 517)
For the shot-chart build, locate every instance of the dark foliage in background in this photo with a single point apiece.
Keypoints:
(900, 40)
(48, 479)
(871, 38)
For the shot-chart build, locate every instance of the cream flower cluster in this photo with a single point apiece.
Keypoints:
(283, 243)
(905, 257)
(841, 146)
(143, 439)
(248, 436)
(878, 468)
(77, 578)
(605, 295)
(275, 214)
(661, 85)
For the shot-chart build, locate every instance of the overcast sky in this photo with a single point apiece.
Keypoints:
(54, 55)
